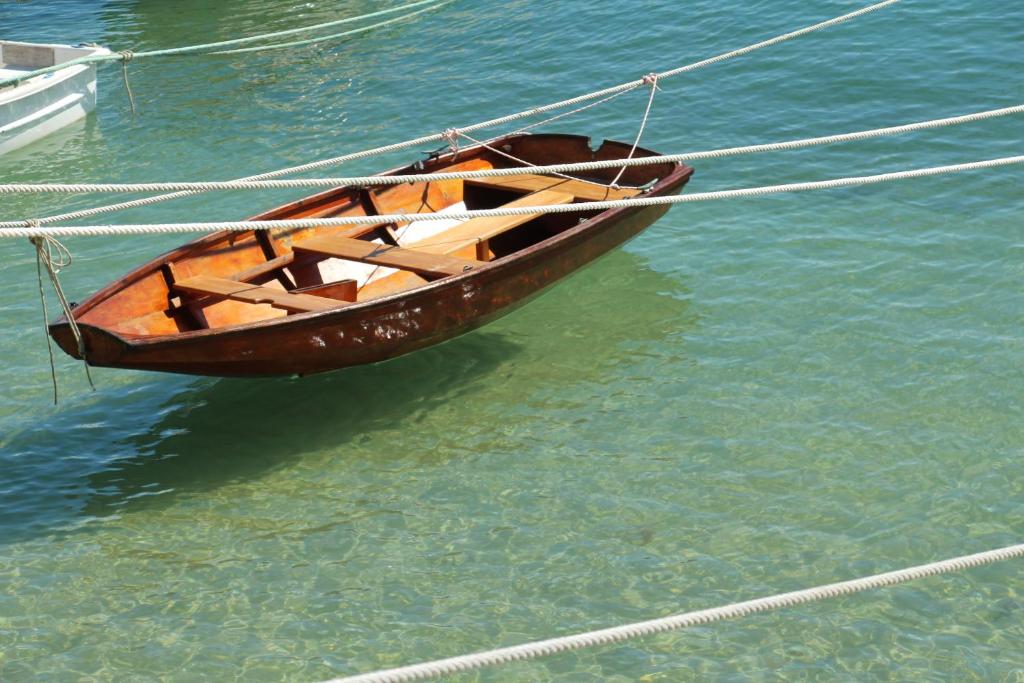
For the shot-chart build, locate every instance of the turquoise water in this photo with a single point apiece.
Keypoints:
(753, 396)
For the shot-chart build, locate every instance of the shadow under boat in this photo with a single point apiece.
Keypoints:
(215, 432)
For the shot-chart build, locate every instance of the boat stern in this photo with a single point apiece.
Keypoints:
(102, 347)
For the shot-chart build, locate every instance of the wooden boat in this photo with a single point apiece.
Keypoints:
(41, 105)
(299, 301)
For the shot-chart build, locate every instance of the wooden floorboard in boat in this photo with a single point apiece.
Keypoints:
(386, 255)
(478, 230)
(255, 294)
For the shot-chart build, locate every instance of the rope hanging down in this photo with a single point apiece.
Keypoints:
(54, 256)
(242, 226)
(212, 186)
(606, 94)
(617, 634)
(208, 48)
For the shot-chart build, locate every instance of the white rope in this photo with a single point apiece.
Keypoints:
(204, 48)
(571, 112)
(529, 166)
(241, 226)
(94, 211)
(544, 648)
(334, 36)
(652, 80)
(215, 186)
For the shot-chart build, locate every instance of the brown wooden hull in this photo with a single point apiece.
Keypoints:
(377, 329)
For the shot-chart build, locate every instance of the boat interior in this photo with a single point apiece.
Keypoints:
(230, 279)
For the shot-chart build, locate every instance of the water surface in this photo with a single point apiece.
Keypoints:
(753, 396)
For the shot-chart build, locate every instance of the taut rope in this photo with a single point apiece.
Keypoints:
(605, 93)
(182, 188)
(244, 226)
(617, 634)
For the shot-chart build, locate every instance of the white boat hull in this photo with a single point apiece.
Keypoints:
(41, 105)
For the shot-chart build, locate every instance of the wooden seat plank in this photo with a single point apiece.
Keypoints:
(535, 183)
(479, 230)
(255, 294)
(412, 260)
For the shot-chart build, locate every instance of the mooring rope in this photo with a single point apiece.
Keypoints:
(435, 137)
(617, 634)
(242, 226)
(335, 36)
(127, 56)
(524, 164)
(37, 243)
(54, 256)
(651, 80)
(571, 112)
(555, 169)
(208, 48)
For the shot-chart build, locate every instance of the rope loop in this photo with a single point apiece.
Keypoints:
(54, 252)
(651, 79)
(126, 55)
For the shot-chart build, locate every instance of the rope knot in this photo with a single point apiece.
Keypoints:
(651, 79)
(52, 255)
(451, 136)
(126, 55)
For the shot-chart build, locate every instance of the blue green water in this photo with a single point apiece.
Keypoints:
(753, 396)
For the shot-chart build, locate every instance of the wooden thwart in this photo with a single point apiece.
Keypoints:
(479, 230)
(416, 261)
(255, 294)
(535, 183)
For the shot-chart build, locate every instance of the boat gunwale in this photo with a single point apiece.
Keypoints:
(679, 174)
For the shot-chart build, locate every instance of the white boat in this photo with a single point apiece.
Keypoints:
(41, 105)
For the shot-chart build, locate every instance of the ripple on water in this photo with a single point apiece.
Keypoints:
(754, 396)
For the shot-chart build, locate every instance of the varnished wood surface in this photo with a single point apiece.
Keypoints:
(148, 320)
(255, 294)
(386, 255)
(477, 230)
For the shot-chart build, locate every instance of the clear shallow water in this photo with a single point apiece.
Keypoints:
(753, 396)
